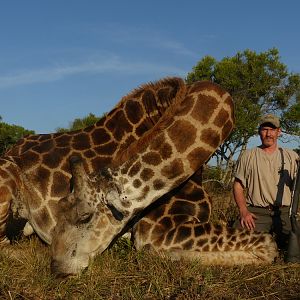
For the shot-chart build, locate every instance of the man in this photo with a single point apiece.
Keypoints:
(266, 174)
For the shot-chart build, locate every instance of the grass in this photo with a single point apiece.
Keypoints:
(123, 273)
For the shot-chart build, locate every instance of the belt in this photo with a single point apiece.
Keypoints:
(271, 207)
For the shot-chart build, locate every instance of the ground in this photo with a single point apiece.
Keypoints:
(123, 273)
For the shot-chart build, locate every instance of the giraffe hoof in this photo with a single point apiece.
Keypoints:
(28, 230)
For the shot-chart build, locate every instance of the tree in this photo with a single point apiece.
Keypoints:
(10, 134)
(80, 123)
(259, 83)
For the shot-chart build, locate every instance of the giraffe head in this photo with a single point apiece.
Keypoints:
(88, 220)
(165, 156)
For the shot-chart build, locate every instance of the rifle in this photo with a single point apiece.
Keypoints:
(293, 252)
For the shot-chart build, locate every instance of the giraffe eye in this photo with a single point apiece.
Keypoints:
(85, 218)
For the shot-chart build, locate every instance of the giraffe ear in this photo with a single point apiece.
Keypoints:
(79, 176)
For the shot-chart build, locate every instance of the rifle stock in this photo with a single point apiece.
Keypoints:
(293, 252)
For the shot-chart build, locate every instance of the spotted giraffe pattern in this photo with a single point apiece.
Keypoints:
(158, 167)
(35, 173)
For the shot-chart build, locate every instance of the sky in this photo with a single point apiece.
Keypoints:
(64, 59)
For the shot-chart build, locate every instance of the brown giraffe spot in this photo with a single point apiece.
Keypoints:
(137, 183)
(205, 248)
(204, 212)
(28, 159)
(28, 145)
(218, 229)
(147, 174)
(157, 142)
(173, 169)
(44, 147)
(182, 208)
(220, 241)
(119, 125)
(183, 134)
(229, 102)
(195, 195)
(156, 212)
(100, 136)
(135, 169)
(202, 242)
(60, 186)
(100, 162)
(208, 228)
(106, 149)
(81, 141)
(134, 111)
(62, 140)
(221, 118)
(182, 233)
(141, 129)
(151, 158)
(210, 137)
(165, 151)
(169, 237)
(145, 191)
(42, 179)
(89, 153)
(213, 239)
(185, 106)
(166, 223)
(158, 184)
(188, 245)
(53, 159)
(179, 219)
(197, 157)
(144, 227)
(199, 230)
(129, 140)
(227, 129)
(203, 108)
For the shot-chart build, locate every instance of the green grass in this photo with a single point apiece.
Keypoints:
(124, 273)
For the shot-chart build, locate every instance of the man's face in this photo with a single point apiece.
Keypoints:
(269, 135)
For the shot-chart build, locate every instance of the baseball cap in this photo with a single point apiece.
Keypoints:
(271, 119)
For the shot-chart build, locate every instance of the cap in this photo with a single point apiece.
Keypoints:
(270, 119)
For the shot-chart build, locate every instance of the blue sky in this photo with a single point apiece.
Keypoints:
(60, 60)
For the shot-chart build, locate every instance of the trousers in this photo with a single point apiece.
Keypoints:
(272, 219)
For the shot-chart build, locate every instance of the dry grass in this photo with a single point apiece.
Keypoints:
(123, 273)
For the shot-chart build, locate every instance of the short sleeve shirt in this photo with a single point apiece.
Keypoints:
(266, 180)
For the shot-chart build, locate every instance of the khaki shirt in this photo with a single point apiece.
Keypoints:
(260, 173)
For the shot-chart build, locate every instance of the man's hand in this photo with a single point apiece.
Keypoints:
(247, 219)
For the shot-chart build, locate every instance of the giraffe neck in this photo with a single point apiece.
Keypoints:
(173, 151)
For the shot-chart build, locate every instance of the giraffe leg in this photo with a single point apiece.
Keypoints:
(9, 183)
(5, 201)
(187, 203)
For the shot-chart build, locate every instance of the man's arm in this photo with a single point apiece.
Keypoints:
(246, 217)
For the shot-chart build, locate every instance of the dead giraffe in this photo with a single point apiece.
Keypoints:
(159, 165)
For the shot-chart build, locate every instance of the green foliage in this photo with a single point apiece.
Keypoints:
(10, 134)
(80, 123)
(259, 83)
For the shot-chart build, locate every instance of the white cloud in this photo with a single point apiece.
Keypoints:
(112, 64)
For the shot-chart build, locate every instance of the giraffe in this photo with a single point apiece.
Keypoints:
(157, 172)
(35, 173)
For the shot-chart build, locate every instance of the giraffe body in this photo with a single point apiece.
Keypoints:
(147, 148)
(35, 173)
(159, 166)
